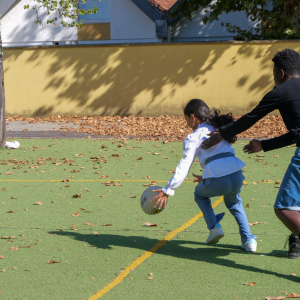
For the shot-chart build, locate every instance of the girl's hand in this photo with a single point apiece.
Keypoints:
(253, 147)
(162, 199)
(198, 178)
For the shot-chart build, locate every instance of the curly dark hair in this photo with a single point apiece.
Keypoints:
(200, 110)
(288, 60)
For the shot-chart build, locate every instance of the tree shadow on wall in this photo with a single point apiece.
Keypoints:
(109, 79)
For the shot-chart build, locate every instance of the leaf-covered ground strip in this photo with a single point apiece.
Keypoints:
(71, 222)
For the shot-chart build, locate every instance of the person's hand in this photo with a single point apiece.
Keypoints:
(162, 199)
(197, 178)
(214, 139)
(253, 147)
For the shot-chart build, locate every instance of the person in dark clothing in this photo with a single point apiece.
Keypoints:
(285, 96)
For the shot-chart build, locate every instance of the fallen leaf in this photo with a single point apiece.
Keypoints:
(77, 195)
(13, 248)
(51, 261)
(249, 284)
(275, 298)
(247, 205)
(90, 224)
(132, 196)
(172, 171)
(150, 277)
(38, 203)
(293, 295)
(13, 197)
(11, 211)
(1, 257)
(66, 180)
(294, 274)
(254, 223)
(150, 224)
(76, 214)
(106, 224)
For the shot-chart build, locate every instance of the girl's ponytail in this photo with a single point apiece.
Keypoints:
(217, 121)
(201, 111)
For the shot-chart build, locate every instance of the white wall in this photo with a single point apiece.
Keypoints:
(185, 30)
(129, 22)
(18, 27)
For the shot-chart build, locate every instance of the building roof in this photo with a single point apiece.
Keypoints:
(156, 9)
(163, 5)
(6, 5)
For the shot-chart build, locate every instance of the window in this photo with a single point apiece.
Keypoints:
(103, 11)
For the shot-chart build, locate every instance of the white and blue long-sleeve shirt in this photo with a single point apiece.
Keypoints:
(192, 149)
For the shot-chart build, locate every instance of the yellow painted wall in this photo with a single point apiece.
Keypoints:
(91, 32)
(144, 80)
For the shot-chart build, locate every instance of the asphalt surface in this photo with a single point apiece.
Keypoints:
(20, 129)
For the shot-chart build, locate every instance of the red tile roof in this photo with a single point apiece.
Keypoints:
(163, 5)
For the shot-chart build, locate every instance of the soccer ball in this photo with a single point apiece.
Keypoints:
(146, 204)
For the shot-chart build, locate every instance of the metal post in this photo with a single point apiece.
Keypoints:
(2, 98)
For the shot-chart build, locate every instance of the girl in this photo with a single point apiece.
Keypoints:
(222, 174)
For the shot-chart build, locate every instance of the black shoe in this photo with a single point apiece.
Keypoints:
(294, 246)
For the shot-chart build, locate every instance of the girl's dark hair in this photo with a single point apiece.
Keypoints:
(201, 111)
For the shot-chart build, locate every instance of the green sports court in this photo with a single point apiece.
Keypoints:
(72, 226)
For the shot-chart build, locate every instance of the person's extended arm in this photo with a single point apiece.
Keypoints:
(190, 147)
(265, 106)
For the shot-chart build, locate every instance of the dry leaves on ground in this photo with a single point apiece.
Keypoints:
(169, 128)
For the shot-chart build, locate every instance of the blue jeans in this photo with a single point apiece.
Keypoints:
(289, 193)
(228, 186)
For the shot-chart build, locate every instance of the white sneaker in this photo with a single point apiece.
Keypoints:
(215, 235)
(250, 245)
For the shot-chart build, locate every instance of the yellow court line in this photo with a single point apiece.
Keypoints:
(147, 254)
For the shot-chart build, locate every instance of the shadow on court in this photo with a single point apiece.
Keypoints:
(179, 249)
